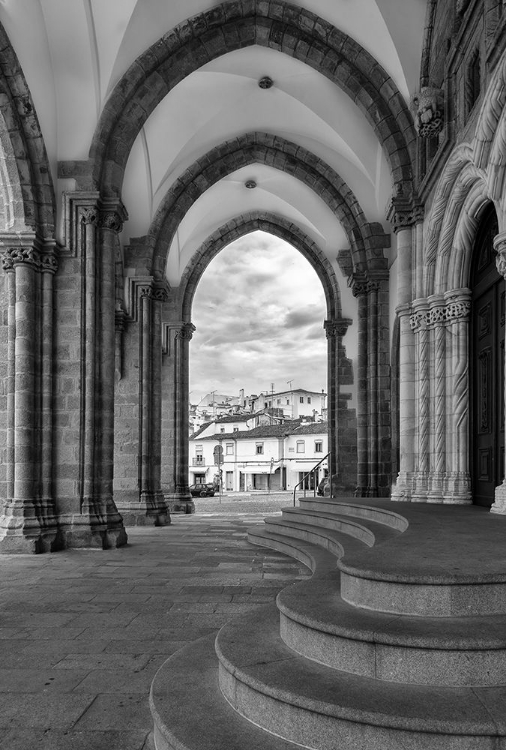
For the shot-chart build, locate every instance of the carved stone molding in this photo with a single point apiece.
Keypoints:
(336, 328)
(360, 285)
(105, 217)
(89, 216)
(427, 106)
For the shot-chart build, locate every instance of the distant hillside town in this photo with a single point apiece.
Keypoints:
(263, 442)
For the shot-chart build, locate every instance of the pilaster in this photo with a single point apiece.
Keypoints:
(499, 504)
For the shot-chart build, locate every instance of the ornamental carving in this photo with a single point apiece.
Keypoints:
(111, 219)
(336, 328)
(360, 287)
(457, 310)
(500, 262)
(89, 216)
(186, 332)
(15, 256)
(403, 214)
(428, 111)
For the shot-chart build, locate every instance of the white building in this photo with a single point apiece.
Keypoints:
(295, 403)
(268, 457)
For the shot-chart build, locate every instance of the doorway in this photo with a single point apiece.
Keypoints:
(487, 365)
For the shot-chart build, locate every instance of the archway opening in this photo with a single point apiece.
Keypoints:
(487, 364)
(258, 369)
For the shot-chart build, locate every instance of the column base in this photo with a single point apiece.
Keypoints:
(403, 489)
(21, 532)
(499, 506)
(457, 489)
(77, 533)
(148, 509)
(179, 502)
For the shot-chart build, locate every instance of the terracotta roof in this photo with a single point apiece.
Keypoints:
(264, 431)
(311, 428)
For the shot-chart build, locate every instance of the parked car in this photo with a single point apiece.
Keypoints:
(202, 490)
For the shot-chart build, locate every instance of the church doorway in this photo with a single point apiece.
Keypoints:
(487, 365)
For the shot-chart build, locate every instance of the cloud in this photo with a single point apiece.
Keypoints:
(259, 310)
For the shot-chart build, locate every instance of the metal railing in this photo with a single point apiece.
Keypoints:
(309, 473)
(198, 461)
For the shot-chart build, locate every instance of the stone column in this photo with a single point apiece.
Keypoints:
(422, 419)
(404, 216)
(28, 522)
(359, 288)
(178, 337)
(150, 410)
(438, 452)
(93, 236)
(499, 504)
(342, 436)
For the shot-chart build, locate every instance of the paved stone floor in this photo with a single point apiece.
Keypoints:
(82, 633)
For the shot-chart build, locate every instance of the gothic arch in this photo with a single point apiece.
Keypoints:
(367, 240)
(275, 225)
(231, 26)
(27, 191)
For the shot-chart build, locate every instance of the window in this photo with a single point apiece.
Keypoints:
(229, 449)
(301, 446)
(198, 449)
(260, 448)
(309, 399)
(222, 429)
(301, 399)
(279, 400)
(236, 429)
(318, 446)
(288, 402)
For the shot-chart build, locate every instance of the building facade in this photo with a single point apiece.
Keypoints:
(265, 458)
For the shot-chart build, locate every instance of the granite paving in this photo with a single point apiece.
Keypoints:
(83, 632)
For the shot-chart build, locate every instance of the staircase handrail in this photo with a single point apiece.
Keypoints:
(307, 475)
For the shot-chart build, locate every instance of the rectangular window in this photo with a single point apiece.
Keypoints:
(236, 429)
(222, 429)
(260, 448)
(318, 446)
(288, 402)
(309, 399)
(301, 446)
(229, 449)
(301, 399)
(279, 400)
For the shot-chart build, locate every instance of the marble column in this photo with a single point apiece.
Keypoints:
(405, 216)
(499, 504)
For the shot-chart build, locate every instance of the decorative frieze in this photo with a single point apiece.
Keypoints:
(440, 314)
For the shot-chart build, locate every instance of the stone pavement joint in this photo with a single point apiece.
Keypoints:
(83, 632)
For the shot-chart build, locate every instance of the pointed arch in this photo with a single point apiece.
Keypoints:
(232, 26)
(367, 240)
(272, 224)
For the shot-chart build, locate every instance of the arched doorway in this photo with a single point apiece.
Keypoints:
(487, 364)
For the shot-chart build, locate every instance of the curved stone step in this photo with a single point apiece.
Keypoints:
(357, 510)
(190, 712)
(335, 542)
(316, 623)
(369, 532)
(323, 708)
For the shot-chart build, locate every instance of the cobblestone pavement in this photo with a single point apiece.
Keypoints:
(82, 632)
(237, 503)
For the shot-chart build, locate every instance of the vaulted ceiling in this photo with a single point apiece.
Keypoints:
(74, 52)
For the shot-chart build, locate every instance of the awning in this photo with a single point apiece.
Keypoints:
(258, 469)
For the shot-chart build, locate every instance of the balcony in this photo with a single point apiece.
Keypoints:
(198, 461)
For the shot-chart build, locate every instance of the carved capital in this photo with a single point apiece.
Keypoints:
(186, 332)
(500, 248)
(111, 219)
(453, 308)
(89, 215)
(427, 106)
(336, 328)
(403, 214)
(16, 256)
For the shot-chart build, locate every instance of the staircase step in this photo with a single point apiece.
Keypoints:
(335, 542)
(190, 713)
(367, 531)
(357, 510)
(318, 707)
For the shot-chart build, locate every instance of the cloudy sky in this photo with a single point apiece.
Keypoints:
(259, 310)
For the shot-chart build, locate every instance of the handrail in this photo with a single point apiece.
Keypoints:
(307, 475)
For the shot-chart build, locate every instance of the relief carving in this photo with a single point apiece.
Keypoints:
(428, 111)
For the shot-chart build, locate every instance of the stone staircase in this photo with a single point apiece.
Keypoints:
(397, 641)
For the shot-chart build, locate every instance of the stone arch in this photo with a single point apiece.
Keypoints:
(272, 224)
(27, 190)
(231, 26)
(367, 251)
